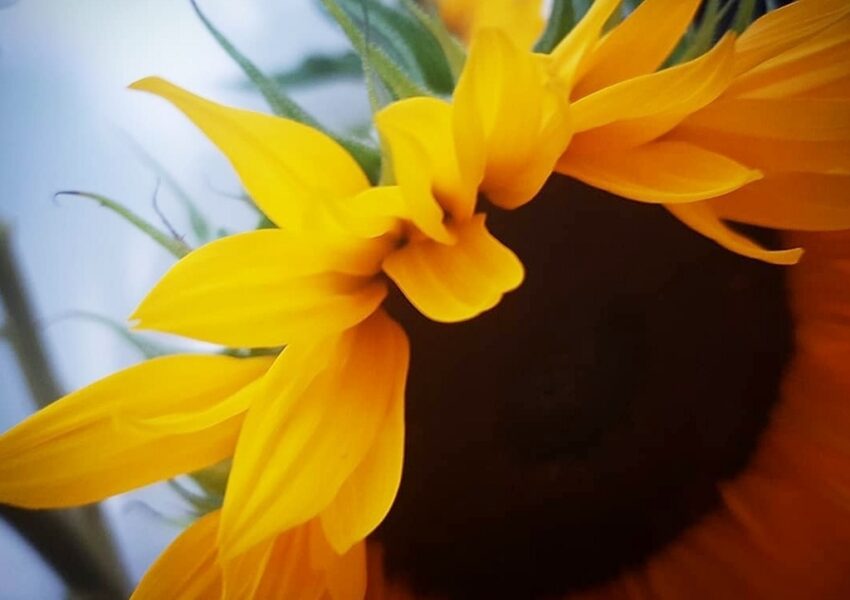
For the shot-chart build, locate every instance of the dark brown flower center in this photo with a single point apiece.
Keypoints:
(586, 421)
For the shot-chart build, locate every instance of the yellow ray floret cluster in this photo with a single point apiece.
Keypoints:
(316, 434)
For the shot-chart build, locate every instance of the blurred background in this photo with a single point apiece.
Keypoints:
(67, 122)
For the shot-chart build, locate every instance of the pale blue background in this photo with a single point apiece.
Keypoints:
(64, 113)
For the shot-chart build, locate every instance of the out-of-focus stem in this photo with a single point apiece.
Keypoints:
(76, 543)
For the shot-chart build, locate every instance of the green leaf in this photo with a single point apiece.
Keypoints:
(321, 68)
(406, 39)
(283, 106)
(177, 247)
(744, 16)
(389, 70)
(701, 38)
(561, 20)
(453, 50)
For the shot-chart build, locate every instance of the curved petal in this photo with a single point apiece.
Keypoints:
(455, 283)
(666, 172)
(510, 124)
(265, 288)
(571, 57)
(819, 61)
(286, 167)
(628, 51)
(700, 217)
(678, 90)
(781, 29)
(94, 443)
(188, 568)
(793, 201)
(320, 409)
(367, 495)
(425, 163)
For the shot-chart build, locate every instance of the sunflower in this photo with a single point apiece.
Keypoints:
(518, 440)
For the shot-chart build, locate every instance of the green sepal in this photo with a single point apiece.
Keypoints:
(175, 246)
(391, 73)
(406, 39)
(561, 20)
(453, 51)
(744, 15)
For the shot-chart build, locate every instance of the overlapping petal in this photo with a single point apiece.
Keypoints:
(425, 161)
(295, 564)
(313, 422)
(700, 217)
(627, 51)
(267, 288)
(510, 121)
(785, 28)
(283, 165)
(663, 172)
(571, 58)
(457, 282)
(791, 201)
(156, 420)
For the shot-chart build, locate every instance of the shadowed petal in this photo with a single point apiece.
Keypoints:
(792, 201)
(321, 408)
(510, 123)
(455, 283)
(700, 217)
(116, 434)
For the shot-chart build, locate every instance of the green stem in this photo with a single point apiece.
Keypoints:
(76, 543)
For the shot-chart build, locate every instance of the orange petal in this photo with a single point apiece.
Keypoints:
(665, 172)
(795, 201)
(700, 217)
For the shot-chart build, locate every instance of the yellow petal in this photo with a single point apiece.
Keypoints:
(679, 90)
(367, 495)
(700, 217)
(187, 569)
(321, 407)
(265, 288)
(666, 172)
(802, 119)
(628, 51)
(510, 123)
(102, 440)
(781, 29)
(794, 201)
(455, 283)
(770, 155)
(571, 57)
(425, 164)
(818, 61)
(522, 20)
(286, 167)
